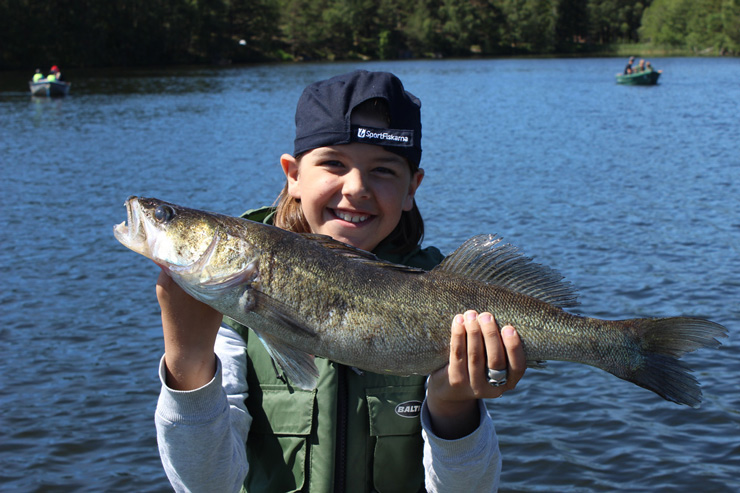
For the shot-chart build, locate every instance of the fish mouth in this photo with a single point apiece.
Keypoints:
(132, 235)
(141, 235)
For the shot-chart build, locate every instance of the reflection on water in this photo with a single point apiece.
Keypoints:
(632, 193)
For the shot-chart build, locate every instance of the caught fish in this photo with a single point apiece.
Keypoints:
(307, 294)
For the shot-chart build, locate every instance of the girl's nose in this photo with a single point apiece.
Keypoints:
(355, 184)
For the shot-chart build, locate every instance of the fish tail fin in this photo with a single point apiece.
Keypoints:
(663, 341)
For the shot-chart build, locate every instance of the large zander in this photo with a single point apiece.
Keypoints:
(310, 295)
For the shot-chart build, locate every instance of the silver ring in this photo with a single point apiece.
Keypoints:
(497, 378)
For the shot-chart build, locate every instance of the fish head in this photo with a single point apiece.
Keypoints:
(193, 246)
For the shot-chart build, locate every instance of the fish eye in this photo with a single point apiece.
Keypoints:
(163, 213)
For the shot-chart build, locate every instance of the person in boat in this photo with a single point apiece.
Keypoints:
(628, 68)
(57, 73)
(641, 66)
(648, 67)
(38, 75)
(228, 418)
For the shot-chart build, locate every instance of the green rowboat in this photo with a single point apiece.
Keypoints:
(649, 78)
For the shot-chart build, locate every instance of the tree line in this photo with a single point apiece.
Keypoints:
(92, 33)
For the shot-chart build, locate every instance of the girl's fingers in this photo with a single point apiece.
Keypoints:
(476, 350)
(458, 369)
(515, 355)
(477, 345)
(495, 351)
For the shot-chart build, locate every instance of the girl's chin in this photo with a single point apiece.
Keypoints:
(354, 240)
(360, 234)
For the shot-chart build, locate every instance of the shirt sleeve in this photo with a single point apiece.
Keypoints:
(202, 433)
(471, 463)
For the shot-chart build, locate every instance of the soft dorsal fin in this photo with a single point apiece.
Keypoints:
(357, 254)
(485, 258)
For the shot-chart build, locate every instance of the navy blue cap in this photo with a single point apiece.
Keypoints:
(322, 117)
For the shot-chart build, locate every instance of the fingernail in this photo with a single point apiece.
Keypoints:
(459, 319)
(508, 331)
(485, 318)
(471, 315)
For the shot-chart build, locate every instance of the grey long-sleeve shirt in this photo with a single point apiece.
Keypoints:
(202, 435)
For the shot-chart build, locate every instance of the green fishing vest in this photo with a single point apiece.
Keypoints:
(365, 424)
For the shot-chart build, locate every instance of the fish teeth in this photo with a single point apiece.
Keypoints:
(352, 218)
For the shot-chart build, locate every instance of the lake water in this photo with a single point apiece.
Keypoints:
(633, 193)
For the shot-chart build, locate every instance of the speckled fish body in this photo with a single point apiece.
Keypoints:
(310, 295)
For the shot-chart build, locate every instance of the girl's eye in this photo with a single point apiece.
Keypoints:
(333, 164)
(385, 171)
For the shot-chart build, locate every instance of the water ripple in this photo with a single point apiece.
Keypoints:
(631, 194)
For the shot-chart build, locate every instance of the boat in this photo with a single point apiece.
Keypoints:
(49, 88)
(646, 78)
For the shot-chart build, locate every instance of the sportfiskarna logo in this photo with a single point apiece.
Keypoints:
(382, 136)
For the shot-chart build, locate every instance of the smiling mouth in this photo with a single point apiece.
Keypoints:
(351, 217)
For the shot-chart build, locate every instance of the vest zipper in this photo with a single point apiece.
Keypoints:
(340, 461)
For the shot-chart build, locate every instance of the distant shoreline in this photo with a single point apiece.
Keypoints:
(617, 50)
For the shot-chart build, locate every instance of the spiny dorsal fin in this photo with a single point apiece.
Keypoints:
(486, 259)
(357, 254)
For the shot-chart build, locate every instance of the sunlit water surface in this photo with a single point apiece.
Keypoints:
(632, 193)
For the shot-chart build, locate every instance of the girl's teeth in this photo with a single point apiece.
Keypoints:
(353, 218)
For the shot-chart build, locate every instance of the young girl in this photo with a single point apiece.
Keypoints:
(228, 418)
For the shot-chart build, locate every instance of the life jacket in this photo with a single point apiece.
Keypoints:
(357, 431)
(51, 77)
(37, 77)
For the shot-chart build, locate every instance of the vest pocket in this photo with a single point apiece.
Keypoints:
(395, 423)
(281, 428)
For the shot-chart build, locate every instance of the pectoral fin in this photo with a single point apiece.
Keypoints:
(298, 366)
(279, 313)
(275, 317)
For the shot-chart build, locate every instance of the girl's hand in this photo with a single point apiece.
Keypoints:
(475, 346)
(190, 328)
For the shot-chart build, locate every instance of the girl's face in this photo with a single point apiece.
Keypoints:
(354, 193)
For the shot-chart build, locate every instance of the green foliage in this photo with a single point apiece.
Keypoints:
(571, 24)
(664, 22)
(702, 26)
(731, 24)
(158, 32)
(615, 20)
(530, 25)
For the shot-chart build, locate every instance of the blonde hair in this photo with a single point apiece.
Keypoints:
(288, 214)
